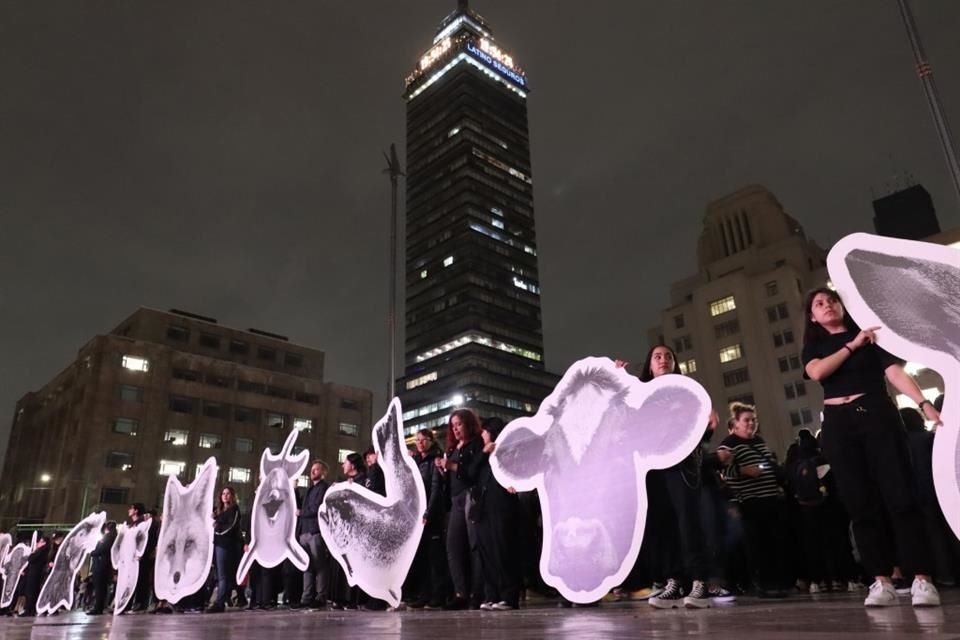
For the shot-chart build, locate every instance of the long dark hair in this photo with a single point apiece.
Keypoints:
(359, 465)
(646, 375)
(471, 426)
(233, 494)
(813, 331)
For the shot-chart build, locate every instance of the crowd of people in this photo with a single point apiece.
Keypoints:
(850, 506)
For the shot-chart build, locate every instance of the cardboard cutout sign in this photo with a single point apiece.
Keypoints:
(273, 521)
(12, 568)
(912, 291)
(587, 452)
(185, 544)
(6, 541)
(125, 554)
(57, 590)
(374, 537)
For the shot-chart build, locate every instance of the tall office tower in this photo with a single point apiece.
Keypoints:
(473, 328)
(907, 213)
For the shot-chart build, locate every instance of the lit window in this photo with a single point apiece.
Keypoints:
(209, 441)
(423, 274)
(731, 353)
(135, 363)
(172, 467)
(348, 429)
(448, 261)
(303, 424)
(176, 437)
(913, 368)
(421, 380)
(453, 132)
(239, 474)
(343, 453)
(689, 366)
(497, 223)
(723, 305)
(483, 340)
(497, 212)
(526, 286)
(303, 481)
(275, 420)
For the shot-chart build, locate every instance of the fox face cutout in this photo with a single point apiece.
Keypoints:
(57, 590)
(125, 554)
(14, 562)
(912, 291)
(374, 537)
(185, 543)
(273, 521)
(587, 451)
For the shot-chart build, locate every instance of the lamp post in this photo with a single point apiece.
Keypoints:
(394, 171)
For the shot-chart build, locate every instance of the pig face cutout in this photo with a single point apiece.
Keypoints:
(12, 568)
(125, 554)
(185, 543)
(587, 452)
(912, 291)
(374, 537)
(273, 520)
(57, 591)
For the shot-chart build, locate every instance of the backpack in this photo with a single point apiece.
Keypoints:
(806, 485)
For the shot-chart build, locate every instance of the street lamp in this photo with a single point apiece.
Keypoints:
(45, 478)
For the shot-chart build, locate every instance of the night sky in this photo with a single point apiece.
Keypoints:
(225, 157)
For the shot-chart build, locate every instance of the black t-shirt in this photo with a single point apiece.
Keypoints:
(862, 371)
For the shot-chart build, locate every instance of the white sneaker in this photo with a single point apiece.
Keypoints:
(815, 588)
(881, 594)
(719, 595)
(924, 594)
(503, 605)
(698, 598)
(486, 606)
(670, 598)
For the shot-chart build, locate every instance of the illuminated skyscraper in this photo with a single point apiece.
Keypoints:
(473, 328)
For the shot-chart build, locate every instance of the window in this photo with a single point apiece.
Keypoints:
(293, 360)
(728, 328)
(348, 429)
(423, 274)
(275, 420)
(126, 426)
(176, 437)
(801, 388)
(209, 441)
(186, 374)
(795, 362)
(688, 366)
(172, 467)
(209, 341)
(782, 338)
(130, 393)
(248, 385)
(682, 343)
(218, 381)
(788, 337)
(784, 365)
(114, 495)
(308, 398)
(789, 391)
(421, 380)
(239, 474)
(135, 363)
(279, 392)
(266, 354)
(735, 377)
(448, 261)
(778, 312)
(772, 288)
(678, 321)
(806, 415)
(303, 424)
(245, 414)
(723, 305)
(243, 445)
(303, 482)
(178, 333)
(349, 404)
(215, 410)
(795, 419)
(239, 347)
(731, 353)
(343, 453)
(119, 460)
(181, 404)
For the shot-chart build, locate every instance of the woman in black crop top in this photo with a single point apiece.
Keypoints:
(865, 443)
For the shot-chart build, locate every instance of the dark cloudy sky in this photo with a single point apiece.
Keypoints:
(224, 157)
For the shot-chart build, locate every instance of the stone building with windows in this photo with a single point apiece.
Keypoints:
(160, 394)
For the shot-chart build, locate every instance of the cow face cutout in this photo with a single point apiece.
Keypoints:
(273, 519)
(12, 568)
(185, 543)
(912, 291)
(57, 590)
(374, 537)
(125, 554)
(587, 452)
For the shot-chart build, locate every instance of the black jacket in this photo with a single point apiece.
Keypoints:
(312, 499)
(375, 480)
(100, 556)
(226, 528)
(433, 484)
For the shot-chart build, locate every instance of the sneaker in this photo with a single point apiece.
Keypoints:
(902, 586)
(486, 606)
(719, 595)
(503, 605)
(670, 598)
(698, 598)
(853, 587)
(647, 592)
(881, 594)
(815, 588)
(924, 594)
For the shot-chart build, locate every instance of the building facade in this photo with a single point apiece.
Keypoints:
(473, 327)
(158, 395)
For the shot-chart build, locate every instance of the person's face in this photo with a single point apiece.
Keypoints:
(226, 496)
(371, 459)
(826, 310)
(661, 361)
(347, 467)
(422, 442)
(317, 472)
(457, 425)
(487, 438)
(745, 426)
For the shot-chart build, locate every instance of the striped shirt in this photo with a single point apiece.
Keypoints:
(746, 453)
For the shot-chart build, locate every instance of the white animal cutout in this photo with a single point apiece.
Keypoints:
(374, 537)
(185, 543)
(912, 291)
(125, 554)
(587, 451)
(12, 569)
(6, 541)
(273, 521)
(57, 590)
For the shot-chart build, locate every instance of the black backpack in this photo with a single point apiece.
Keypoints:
(806, 485)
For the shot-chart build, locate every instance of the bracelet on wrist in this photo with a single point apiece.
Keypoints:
(847, 347)
(923, 402)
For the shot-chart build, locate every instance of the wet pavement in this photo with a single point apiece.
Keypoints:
(801, 617)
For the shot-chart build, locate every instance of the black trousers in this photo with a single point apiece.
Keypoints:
(462, 555)
(689, 557)
(765, 521)
(101, 584)
(498, 546)
(430, 580)
(865, 443)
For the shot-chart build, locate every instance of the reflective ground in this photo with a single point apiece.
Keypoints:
(806, 617)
